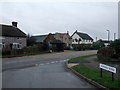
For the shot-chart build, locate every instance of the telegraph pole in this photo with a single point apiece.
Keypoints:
(114, 36)
(108, 35)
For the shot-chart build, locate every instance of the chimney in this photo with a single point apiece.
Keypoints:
(14, 24)
(67, 32)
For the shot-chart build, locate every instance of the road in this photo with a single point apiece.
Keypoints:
(42, 71)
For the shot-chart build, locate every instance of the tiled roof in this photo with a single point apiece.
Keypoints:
(11, 31)
(40, 38)
(84, 36)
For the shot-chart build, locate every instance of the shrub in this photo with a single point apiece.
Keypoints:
(97, 45)
(16, 51)
(116, 45)
(106, 52)
(6, 51)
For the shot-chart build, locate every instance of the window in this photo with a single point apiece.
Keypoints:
(16, 46)
(65, 39)
(2, 37)
(61, 37)
(76, 40)
(18, 38)
(2, 45)
(73, 40)
(83, 40)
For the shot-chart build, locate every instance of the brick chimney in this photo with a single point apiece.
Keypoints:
(14, 24)
(67, 32)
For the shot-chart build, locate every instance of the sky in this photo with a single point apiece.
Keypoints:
(39, 18)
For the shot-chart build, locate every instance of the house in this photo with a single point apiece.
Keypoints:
(65, 38)
(106, 42)
(80, 39)
(54, 44)
(12, 36)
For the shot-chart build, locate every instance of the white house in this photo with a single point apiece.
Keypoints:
(79, 38)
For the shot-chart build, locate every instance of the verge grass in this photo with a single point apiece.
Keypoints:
(93, 74)
(82, 57)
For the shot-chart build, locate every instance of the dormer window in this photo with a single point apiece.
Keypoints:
(18, 38)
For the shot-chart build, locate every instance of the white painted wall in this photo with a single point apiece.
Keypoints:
(76, 36)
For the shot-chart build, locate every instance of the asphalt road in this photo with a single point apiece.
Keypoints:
(42, 71)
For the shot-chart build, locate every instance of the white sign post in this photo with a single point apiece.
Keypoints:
(108, 68)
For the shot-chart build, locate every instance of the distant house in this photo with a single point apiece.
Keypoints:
(12, 36)
(79, 39)
(54, 44)
(106, 42)
(65, 38)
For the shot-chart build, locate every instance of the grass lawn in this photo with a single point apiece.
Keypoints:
(81, 57)
(26, 54)
(92, 74)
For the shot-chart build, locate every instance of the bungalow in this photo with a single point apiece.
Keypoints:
(79, 39)
(12, 36)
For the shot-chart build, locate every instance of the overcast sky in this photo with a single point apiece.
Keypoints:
(39, 18)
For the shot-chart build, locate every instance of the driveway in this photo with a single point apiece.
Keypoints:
(48, 71)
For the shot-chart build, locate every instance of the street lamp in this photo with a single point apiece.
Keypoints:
(108, 35)
(114, 36)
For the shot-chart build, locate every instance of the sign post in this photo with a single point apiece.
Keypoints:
(108, 68)
(112, 76)
(101, 72)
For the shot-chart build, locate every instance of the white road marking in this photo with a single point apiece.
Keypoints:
(47, 63)
(36, 64)
(52, 62)
(41, 64)
(64, 60)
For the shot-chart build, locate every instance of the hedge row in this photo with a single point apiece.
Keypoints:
(29, 49)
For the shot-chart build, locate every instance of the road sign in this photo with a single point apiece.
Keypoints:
(108, 68)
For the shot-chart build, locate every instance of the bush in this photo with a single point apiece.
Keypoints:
(16, 51)
(6, 51)
(26, 50)
(116, 45)
(97, 45)
(106, 52)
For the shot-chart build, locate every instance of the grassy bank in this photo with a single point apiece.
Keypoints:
(25, 54)
(95, 75)
(82, 57)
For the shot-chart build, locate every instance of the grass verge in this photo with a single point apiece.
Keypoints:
(26, 54)
(82, 57)
(95, 75)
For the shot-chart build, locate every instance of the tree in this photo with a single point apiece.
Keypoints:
(30, 40)
(98, 44)
(116, 45)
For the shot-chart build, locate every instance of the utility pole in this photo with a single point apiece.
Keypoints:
(96, 39)
(114, 36)
(108, 35)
